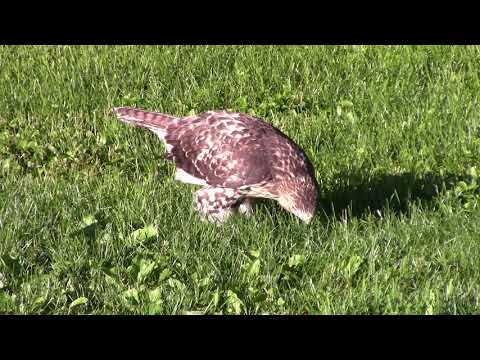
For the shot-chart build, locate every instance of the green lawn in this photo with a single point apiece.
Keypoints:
(91, 221)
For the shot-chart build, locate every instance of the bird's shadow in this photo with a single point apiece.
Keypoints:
(90, 231)
(361, 196)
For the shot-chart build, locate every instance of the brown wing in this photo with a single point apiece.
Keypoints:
(224, 149)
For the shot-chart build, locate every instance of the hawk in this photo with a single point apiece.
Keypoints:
(236, 158)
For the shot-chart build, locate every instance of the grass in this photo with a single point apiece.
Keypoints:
(91, 221)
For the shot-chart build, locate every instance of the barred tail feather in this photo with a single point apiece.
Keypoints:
(154, 121)
(143, 118)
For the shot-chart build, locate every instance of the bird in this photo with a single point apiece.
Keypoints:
(236, 158)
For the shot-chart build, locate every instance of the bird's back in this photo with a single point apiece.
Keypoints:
(234, 149)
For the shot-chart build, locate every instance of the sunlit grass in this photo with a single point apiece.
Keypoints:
(393, 132)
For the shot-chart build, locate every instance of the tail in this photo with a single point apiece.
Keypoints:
(146, 119)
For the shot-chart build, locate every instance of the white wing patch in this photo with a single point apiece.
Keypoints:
(186, 178)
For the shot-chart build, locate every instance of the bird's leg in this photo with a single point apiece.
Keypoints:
(216, 204)
(246, 206)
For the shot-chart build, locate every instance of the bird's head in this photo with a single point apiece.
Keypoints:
(299, 197)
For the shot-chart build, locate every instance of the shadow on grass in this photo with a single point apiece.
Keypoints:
(393, 192)
(90, 231)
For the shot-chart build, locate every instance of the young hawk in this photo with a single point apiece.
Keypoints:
(236, 158)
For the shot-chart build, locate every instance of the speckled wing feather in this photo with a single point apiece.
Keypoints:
(225, 149)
